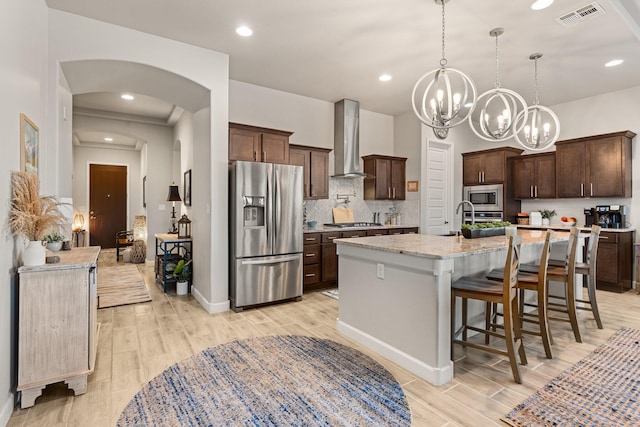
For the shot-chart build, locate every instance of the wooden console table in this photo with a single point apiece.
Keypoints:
(170, 249)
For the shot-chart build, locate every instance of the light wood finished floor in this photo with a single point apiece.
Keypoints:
(139, 341)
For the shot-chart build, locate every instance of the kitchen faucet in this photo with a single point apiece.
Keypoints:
(473, 211)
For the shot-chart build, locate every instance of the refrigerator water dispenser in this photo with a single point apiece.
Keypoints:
(253, 211)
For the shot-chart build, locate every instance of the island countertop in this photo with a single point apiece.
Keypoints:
(445, 247)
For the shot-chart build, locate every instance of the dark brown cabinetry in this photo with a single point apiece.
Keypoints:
(255, 144)
(595, 166)
(534, 176)
(321, 258)
(487, 166)
(316, 169)
(386, 179)
(614, 266)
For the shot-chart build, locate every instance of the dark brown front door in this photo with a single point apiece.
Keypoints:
(107, 203)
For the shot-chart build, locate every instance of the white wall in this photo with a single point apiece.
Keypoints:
(23, 27)
(75, 38)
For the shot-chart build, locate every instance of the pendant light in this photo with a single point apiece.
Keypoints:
(542, 129)
(444, 97)
(494, 118)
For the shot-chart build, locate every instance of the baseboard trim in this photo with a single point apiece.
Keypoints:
(434, 375)
(211, 307)
(7, 410)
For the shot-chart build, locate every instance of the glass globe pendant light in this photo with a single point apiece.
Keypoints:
(444, 97)
(542, 129)
(495, 115)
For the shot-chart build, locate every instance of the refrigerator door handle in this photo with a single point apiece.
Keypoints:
(276, 201)
(271, 261)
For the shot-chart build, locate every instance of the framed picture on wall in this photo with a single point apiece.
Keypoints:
(29, 144)
(144, 191)
(187, 188)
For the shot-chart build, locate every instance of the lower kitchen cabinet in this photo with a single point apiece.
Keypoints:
(614, 266)
(321, 258)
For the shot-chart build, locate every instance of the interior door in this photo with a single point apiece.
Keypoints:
(436, 197)
(107, 204)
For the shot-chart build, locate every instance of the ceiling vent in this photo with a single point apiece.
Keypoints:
(581, 14)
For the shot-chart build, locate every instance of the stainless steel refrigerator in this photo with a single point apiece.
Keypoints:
(265, 233)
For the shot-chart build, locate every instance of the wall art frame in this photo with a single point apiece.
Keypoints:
(187, 188)
(29, 144)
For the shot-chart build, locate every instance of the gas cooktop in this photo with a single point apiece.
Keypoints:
(353, 224)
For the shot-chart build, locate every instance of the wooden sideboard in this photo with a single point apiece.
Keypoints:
(57, 326)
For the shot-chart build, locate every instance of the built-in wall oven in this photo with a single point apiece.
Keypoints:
(485, 198)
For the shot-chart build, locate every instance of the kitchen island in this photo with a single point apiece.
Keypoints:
(395, 292)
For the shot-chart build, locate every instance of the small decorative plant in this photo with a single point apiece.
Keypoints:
(486, 225)
(54, 237)
(182, 271)
(547, 214)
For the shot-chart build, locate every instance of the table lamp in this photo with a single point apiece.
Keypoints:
(174, 196)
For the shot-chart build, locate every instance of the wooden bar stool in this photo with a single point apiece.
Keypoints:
(567, 275)
(489, 291)
(530, 282)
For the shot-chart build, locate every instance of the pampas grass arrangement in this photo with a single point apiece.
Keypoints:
(33, 216)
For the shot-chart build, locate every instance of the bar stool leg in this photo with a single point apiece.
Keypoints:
(570, 289)
(542, 320)
(591, 289)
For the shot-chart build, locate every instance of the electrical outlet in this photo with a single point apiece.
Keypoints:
(380, 270)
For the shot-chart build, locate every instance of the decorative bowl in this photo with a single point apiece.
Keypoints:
(569, 223)
(312, 224)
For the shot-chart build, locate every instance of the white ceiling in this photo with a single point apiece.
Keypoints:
(334, 49)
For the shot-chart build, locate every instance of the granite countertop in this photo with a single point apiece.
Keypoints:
(323, 229)
(445, 247)
(562, 227)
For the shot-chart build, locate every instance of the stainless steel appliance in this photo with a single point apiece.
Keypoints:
(266, 220)
(608, 216)
(483, 217)
(484, 197)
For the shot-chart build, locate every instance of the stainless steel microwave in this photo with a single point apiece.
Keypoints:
(484, 197)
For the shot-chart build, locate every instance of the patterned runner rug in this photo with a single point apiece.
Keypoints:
(119, 283)
(272, 381)
(603, 389)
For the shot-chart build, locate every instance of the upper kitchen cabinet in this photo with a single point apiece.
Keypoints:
(386, 180)
(315, 162)
(255, 144)
(488, 166)
(534, 176)
(595, 166)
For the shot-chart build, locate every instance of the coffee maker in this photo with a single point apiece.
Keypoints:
(606, 216)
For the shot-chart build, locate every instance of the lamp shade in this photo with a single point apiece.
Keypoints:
(174, 194)
(78, 222)
(140, 228)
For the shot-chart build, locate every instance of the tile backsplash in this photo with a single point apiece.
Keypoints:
(321, 210)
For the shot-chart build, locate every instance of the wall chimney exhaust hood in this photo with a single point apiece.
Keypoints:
(346, 139)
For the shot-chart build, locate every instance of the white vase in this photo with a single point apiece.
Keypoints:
(546, 221)
(182, 287)
(34, 254)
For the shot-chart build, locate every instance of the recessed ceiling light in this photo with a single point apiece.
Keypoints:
(385, 78)
(541, 4)
(108, 139)
(244, 31)
(614, 62)
(127, 97)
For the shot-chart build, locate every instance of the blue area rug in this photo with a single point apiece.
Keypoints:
(603, 389)
(272, 381)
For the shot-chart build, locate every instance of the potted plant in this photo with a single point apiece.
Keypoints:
(32, 217)
(182, 273)
(54, 241)
(547, 215)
